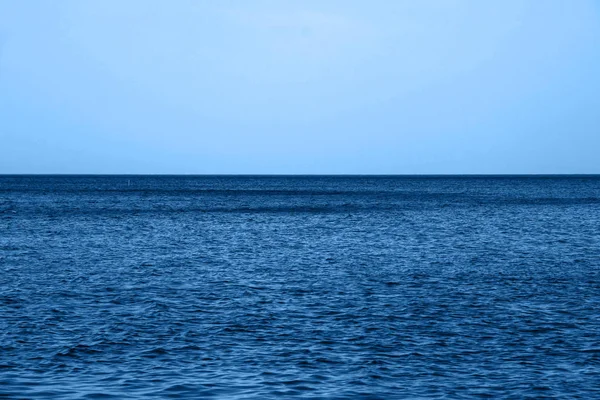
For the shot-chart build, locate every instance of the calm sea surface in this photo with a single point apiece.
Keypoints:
(311, 287)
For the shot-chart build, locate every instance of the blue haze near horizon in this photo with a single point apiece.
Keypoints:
(263, 87)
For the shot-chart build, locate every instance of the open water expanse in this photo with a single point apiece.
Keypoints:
(310, 287)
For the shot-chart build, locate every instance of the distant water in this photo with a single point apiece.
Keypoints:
(315, 287)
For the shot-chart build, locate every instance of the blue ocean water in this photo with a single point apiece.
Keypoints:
(310, 287)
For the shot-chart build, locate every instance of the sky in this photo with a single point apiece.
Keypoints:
(300, 87)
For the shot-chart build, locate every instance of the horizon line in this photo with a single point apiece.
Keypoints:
(309, 174)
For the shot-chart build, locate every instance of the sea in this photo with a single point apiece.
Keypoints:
(309, 287)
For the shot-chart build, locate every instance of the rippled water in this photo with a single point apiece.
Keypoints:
(316, 287)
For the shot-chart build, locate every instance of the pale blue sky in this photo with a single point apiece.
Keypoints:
(382, 87)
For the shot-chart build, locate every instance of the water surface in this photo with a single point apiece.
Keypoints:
(313, 287)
